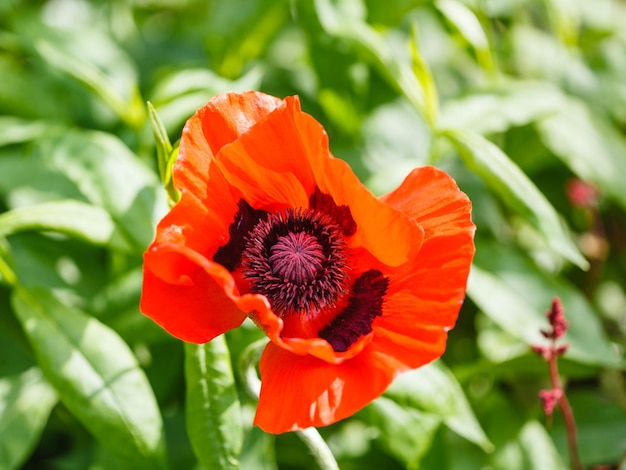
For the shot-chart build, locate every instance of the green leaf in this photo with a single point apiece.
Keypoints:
(15, 130)
(426, 81)
(164, 154)
(178, 95)
(601, 426)
(74, 218)
(434, 389)
(96, 377)
(405, 432)
(466, 22)
(347, 24)
(108, 74)
(509, 289)
(109, 175)
(497, 109)
(26, 401)
(213, 412)
(516, 190)
(588, 144)
(533, 450)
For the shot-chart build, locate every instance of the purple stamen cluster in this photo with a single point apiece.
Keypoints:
(298, 259)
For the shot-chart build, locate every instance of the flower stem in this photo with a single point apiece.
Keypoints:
(318, 447)
(556, 396)
(310, 436)
(568, 415)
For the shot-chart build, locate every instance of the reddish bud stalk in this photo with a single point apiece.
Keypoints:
(556, 396)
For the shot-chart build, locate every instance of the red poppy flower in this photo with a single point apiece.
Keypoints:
(350, 289)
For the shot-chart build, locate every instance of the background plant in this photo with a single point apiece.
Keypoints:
(520, 100)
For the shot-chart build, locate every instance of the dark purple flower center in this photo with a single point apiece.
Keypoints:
(297, 259)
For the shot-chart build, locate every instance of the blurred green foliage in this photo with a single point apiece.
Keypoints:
(515, 98)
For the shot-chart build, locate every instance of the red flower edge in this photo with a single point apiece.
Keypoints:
(350, 289)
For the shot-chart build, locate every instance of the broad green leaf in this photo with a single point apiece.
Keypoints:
(91, 166)
(212, 409)
(405, 432)
(26, 401)
(515, 294)
(109, 175)
(434, 389)
(14, 130)
(466, 22)
(395, 140)
(589, 145)
(74, 218)
(258, 451)
(391, 12)
(601, 426)
(532, 450)
(108, 74)
(565, 18)
(178, 95)
(96, 377)
(516, 190)
(499, 108)
(396, 68)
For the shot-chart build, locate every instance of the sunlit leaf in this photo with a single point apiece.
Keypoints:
(179, 94)
(516, 190)
(405, 432)
(74, 218)
(468, 25)
(395, 67)
(434, 389)
(109, 175)
(499, 108)
(96, 377)
(107, 73)
(14, 130)
(588, 145)
(533, 450)
(212, 409)
(25, 404)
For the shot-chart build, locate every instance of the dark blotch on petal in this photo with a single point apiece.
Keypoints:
(365, 304)
(246, 219)
(340, 215)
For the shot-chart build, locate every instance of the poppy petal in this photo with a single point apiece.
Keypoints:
(425, 295)
(302, 391)
(269, 163)
(377, 223)
(281, 161)
(181, 293)
(223, 120)
(433, 199)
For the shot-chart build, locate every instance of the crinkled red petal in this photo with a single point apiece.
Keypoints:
(184, 293)
(223, 120)
(302, 391)
(425, 295)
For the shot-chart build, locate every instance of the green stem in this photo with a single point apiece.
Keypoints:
(310, 436)
(318, 447)
(8, 275)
